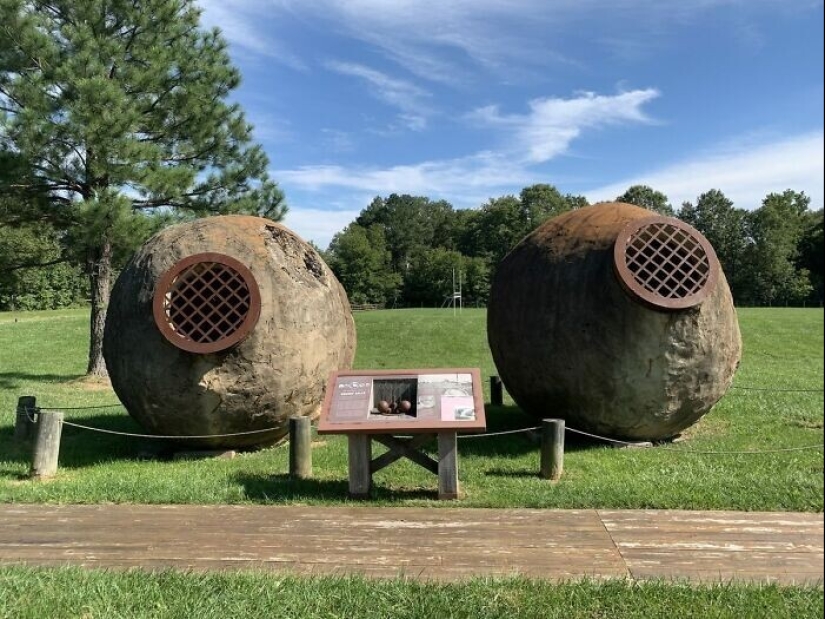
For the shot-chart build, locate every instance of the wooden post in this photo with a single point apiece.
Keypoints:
(552, 448)
(496, 395)
(447, 465)
(300, 447)
(24, 422)
(46, 444)
(360, 456)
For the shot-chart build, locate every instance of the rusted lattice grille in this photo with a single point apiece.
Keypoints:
(665, 262)
(206, 303)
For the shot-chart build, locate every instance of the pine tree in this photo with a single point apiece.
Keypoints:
(119, 107)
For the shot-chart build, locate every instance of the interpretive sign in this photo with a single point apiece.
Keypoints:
(408, 401)
(385, 405)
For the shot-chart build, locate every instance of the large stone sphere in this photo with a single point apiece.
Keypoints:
(225, 325)
(615, 319)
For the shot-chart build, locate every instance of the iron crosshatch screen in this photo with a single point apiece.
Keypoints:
(420, 400)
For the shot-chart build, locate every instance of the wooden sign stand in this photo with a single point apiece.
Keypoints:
(403, 410)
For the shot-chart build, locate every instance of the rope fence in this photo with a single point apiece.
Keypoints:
(741, 388)
(80, 408)
(32, 412)
(533, 429)
(45, 424)
(162, 437)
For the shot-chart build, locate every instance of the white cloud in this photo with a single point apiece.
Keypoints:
(452, 179)
(553, 123)
(746, 173)
(240, 22)
(533, 138)
(338, 141)
(445, 41)
(398, 93)
(441, 41)
(268, 128)
(319, 225)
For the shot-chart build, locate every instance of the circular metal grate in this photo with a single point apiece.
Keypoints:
(665, 262)
(206, 303)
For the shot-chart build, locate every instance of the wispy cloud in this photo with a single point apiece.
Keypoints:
(443, 41)
(745, 173)
(338, 141)
(320, 225)
(553, 123)
(545, 132)
(447, 41)
(242, 23)
(269, 129)
(401, 94)
(449, 178)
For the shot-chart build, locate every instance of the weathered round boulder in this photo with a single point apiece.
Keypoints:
(618, 320)
(225, 325)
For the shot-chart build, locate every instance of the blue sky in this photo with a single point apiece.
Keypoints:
(465, 100)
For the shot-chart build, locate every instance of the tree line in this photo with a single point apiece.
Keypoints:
(403, 251)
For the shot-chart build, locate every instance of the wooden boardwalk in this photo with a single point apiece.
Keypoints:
(432, 543)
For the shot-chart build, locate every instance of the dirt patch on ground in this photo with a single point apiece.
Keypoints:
(92, 383)
(709, 427)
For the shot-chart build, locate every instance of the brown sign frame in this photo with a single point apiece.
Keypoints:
(389, 425)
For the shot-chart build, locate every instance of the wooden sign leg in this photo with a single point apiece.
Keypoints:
(447, 466)
(360, 455)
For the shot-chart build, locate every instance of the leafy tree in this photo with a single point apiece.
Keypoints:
(495, 230)
(540, 202)
(812, 253)
(776, 229)
(410, 224)
(22, 200)
(360, 259)
(725, 227)
(118, 107)
(576, 202)
(33, 272)
(647, 197)
(430, 280)
(476, 286)
(462, 225)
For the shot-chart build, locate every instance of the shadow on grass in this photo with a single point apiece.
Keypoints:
(13, 380)
(279, 488)
(81, 448)
(510, 419)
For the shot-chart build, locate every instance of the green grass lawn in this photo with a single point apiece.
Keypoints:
(44, 354)
(93, 594)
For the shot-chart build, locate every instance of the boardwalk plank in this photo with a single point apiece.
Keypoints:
(439, 544)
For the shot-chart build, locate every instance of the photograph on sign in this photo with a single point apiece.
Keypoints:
(457, 408)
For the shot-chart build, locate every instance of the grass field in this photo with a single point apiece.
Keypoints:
(43, 354)
(93, 594)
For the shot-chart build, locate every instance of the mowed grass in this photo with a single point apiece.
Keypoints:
(759, 449)
(63, 593)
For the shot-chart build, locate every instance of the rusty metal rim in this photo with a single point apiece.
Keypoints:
(238, 335)
(652, 299)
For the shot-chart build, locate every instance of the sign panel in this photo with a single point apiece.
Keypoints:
(386, 401)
